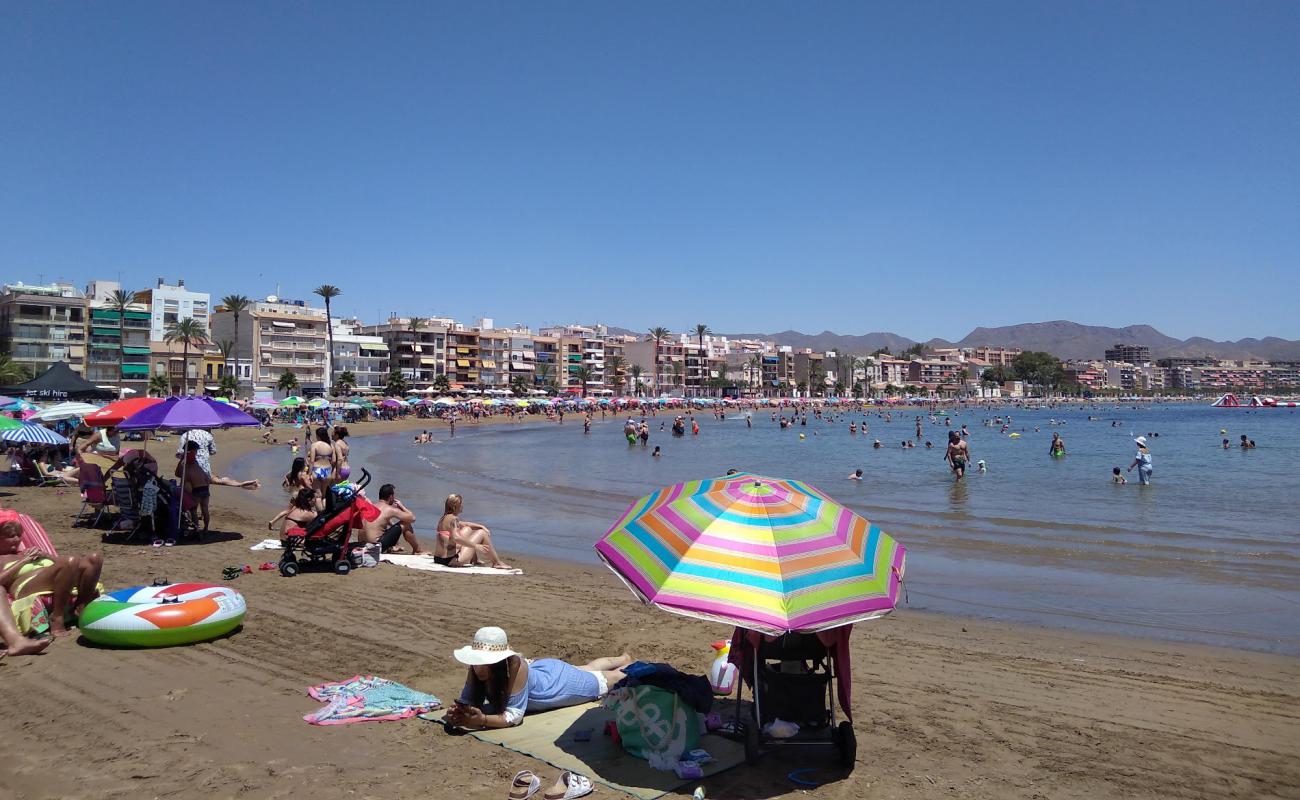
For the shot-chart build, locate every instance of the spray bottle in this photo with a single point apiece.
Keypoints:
(722, 675)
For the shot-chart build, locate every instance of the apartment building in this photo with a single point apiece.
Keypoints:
(995, 356)
(279, 336)
(670, 377)
(41, 325)
(1129, 353)
(169, 304)
(521, 356)
(463, 359)
(932, 372)
(419, 355)
(494, 360)
(893, 371)
(365, 356)
(118, 351)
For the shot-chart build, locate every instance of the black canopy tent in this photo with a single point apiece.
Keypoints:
(58, 382)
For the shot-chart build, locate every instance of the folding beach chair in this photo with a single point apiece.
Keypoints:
(34, 471)
(93, 493)
(35, 536)
(128, 520)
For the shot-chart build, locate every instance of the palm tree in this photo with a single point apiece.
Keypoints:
(226, 346)
(816, 378)
(12, 372)
(678, 368)
(347, 381)
(519, 386)
(288, 382)
(658, 335)
(236, 304)
(413, 327)
(119, 301)
(582, 374)
(636, 371)
(328, 292)
(543, 374)
(228, 386)
(191, 333)
(158, 386)
(441, 384)
(865, 364)
(614, 372)
(802, 387)
(702, 330)
(755, 370)
(397, 383)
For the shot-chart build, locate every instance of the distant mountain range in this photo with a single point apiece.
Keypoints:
(1061, 338)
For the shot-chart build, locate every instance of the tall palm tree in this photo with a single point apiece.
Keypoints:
(677, 369)
(236, 304)
(701, 330)
(755, 369)
(158, 386)
(583, 374)
(12, 372)
(191, 333)
(658, 334)
(614, 372)
(544, 374)
(226, 347)
(119, 301)
(288, 382)
(413, 327)
(636, 371)
(328, 292)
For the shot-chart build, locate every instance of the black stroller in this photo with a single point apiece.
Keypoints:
(792, 679)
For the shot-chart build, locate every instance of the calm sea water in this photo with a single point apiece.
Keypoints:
(1210, 552)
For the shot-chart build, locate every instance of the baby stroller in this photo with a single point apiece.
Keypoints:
(328, 538)
(793, 679)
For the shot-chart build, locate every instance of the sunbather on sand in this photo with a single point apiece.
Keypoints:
(462, 543)
(502, 685)
(70, 581)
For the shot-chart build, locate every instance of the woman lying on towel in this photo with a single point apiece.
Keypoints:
(502, 685)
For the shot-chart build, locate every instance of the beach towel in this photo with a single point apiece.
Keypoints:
(427, 564)
(366, 698)
(550, 737)
(268, 544)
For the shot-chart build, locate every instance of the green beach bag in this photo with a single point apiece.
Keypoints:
(654, 724)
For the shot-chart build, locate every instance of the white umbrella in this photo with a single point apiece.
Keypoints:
(63, 411)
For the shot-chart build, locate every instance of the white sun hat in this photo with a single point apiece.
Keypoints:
(1141, 441)
(489, 647)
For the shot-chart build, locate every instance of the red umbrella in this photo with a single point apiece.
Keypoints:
(114, 413)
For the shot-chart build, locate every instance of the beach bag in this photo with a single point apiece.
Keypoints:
(31, 615)
(654, 724)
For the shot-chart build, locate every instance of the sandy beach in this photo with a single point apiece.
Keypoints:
(943, 706)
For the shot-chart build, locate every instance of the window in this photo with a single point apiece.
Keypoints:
(170, 318)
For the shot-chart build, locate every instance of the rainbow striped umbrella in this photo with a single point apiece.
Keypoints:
(762, 553)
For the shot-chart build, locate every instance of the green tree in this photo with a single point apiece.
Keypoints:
(658, 335)
(288, 382)
(328, 293)
(802, 388)
(228, 386)
(582, 374)
(614, 373)
(226, 347)
(397, 385)
(636, 370)
(120, 301)
(754, 368)
(678, 368)
(190, 333)
(1038, 369)
(159, 386)
(816, 378)
(519, 385)
(441, 384)
(236, 304)
(347, 381)
(914, 351)
(702, 330)
(863, 365)
(11, 372)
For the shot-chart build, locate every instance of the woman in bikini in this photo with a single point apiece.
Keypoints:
(341, 449)
(322, 461)
(70, 581)
(298, 477)
(301, 511)
(462, 543)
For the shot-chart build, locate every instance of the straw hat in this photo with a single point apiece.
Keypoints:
(1141, 441)
(489, 647)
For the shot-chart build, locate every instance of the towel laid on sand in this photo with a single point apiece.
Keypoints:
(268, 544)
(366, 698)
(427, 564)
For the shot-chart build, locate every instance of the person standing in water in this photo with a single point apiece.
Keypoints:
(1057, 448)
(321, 455)
(957, 454)
(1142, 461)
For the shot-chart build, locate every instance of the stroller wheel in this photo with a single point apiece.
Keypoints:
(752, 749)
(847, 743)
(288, 568)
(343, 566)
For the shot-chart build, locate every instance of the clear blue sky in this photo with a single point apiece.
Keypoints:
(920, 168)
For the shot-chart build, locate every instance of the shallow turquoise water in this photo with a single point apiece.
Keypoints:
(1208, 553)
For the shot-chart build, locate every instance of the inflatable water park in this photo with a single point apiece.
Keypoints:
(1230, 401)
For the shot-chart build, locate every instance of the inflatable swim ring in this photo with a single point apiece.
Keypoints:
(162, 616)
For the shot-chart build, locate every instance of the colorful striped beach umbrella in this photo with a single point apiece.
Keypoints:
(761, 553)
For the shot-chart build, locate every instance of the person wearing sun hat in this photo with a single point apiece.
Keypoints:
(501, 685)
(1142, 461)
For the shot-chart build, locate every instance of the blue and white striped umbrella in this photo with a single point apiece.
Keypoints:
(33, 434)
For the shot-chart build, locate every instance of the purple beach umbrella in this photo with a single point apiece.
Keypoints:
(184, 413)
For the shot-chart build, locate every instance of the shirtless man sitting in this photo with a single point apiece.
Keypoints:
(402, 519)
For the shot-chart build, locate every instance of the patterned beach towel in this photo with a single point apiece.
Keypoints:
(366, 698)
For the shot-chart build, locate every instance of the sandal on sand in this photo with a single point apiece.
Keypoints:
(525, 785)
(575, 786)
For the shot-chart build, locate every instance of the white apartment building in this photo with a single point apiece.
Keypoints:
(170, 304)
(366, 357)
(278, 336)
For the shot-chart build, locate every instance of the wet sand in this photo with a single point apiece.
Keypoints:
(944, 706)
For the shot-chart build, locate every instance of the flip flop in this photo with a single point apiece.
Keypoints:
(524, 785)
(157, 542)
(230, 573)
(267, 565)
(575, 786)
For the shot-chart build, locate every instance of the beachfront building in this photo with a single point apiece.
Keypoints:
(994, 356)
(1090, 375)
(279, 336)
(463, 358)
(892, 372)
(1129, 353)
(185, 376)
(549, 363)
(937, 374)
(419, 354)
(494, 359)
(365, 356)
(521, 357)
(670, 378)
(581, 346)
(118, 351)
(42, 325)
(169, 304)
